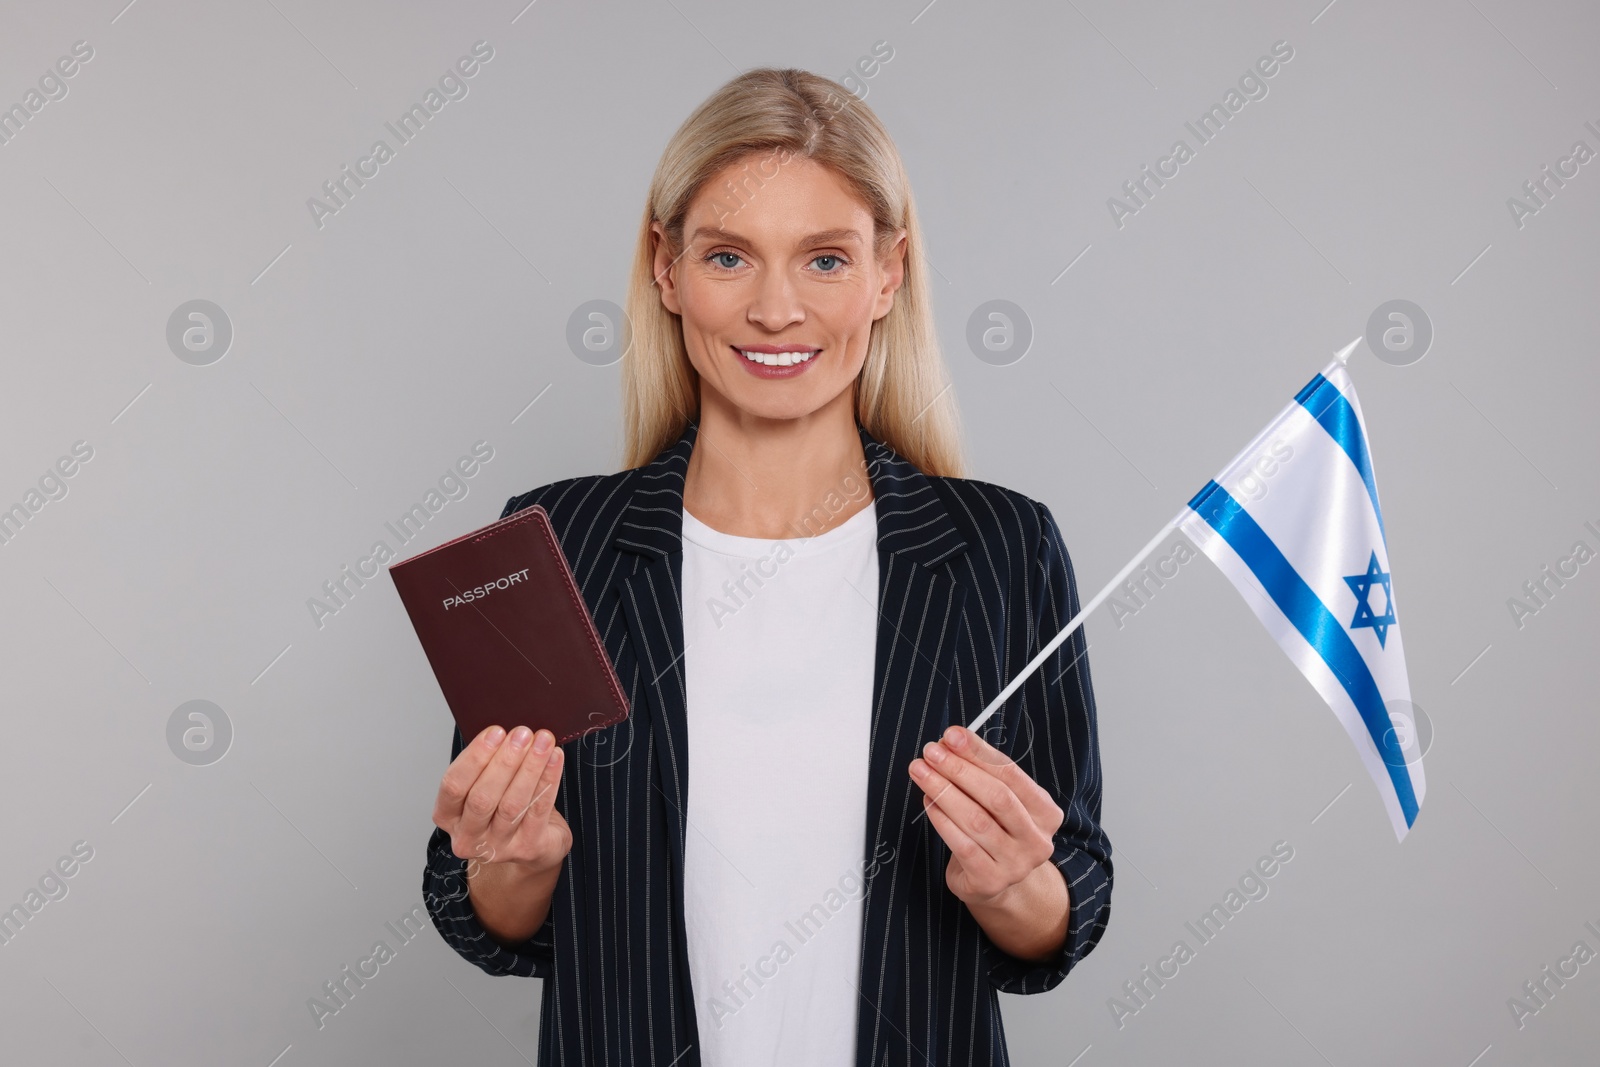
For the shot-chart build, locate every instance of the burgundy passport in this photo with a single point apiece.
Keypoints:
(507, 632)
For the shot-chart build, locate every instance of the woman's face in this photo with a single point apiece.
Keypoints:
(787, 267)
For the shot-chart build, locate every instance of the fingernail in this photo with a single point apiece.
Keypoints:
(934, 753)
(519, 737)
(496, 735)
(541, 744)
(955, 737)
(919, 768)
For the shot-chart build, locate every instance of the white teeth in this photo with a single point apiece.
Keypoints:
(778, 359)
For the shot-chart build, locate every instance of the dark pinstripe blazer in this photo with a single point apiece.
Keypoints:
(973, 580)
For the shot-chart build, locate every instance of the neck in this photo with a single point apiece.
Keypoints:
(776, 478)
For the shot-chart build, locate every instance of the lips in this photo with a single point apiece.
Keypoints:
(776, 355)
(775, 361)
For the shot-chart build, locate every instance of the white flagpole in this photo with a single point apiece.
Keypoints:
(1077, 620)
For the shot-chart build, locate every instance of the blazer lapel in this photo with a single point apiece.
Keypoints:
(652, 606)
(652, 603)
(920, 616)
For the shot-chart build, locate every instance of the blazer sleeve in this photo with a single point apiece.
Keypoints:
(444, 892)
(1064, 757)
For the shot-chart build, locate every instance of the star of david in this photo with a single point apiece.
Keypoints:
(1362, 585)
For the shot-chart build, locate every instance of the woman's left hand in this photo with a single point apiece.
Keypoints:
(998, 822)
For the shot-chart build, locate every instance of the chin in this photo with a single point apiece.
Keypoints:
(768, 408)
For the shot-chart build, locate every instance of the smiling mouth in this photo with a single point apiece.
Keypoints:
(788, 357)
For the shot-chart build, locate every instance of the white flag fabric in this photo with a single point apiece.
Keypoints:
(1294, 523)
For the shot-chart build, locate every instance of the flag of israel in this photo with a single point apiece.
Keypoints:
(1294, 523)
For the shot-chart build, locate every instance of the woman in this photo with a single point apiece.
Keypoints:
(792, 851)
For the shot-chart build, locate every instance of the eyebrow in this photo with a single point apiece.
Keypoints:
(824, 237)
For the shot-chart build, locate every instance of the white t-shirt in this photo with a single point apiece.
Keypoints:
(780, 638)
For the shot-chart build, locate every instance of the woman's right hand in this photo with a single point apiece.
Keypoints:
(497, 801)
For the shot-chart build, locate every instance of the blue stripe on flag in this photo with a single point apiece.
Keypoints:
(1330, 408)
(1302, 607)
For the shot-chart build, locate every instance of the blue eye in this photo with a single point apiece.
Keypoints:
(834, 263)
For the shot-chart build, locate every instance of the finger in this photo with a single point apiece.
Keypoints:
(484, 796)
(978, 865)
(464, 771)
(1035, 797)
(482, 852)
(520, 793)
(543, 801)
(987, 791)
(976, 822)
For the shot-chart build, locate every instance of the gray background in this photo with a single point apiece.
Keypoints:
(370, 354)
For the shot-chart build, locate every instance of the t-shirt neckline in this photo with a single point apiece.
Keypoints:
(858, 525)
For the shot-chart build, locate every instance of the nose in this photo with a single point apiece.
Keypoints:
(776, 303)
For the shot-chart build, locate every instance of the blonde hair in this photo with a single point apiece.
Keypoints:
(901, 392)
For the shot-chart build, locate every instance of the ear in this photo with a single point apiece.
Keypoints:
(893, 266)
(662, 264)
